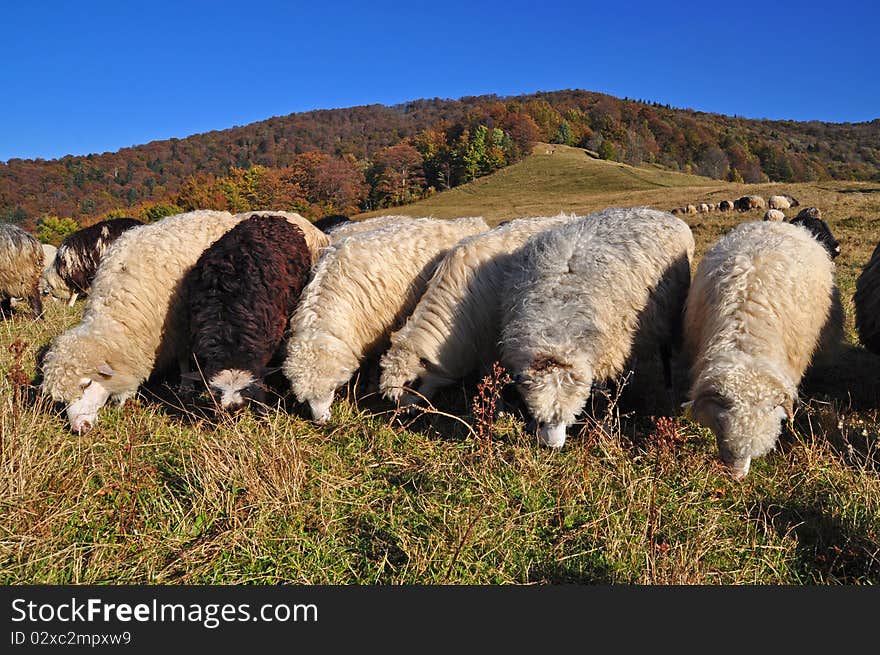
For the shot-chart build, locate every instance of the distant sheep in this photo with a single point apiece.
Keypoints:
(78, 257)
(725, 205)
(792, 201)
(774, 215)
(362, 289)
(821, 232)
(778, 202)
(315, 238)
(690, 209)
(582, 298)
(867, 303)
(809, 212)
(455, 327)
(134, 322)
(748, 203)
(703, 208)
(762, 301)
(240, 295)
(21, 264)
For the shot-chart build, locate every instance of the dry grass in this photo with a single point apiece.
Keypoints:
(157, 494)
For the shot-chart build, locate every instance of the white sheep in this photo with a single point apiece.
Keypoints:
(350, 228)
(21, 264)
(778, 202)
(134, 321)
(362, 289)
(582, 298)
(455, 327)
(774, 215)
(762, 301)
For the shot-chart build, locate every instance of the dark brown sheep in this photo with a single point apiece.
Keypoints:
(240, 296)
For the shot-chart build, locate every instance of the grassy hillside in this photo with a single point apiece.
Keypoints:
(558, 178)
(163, 494)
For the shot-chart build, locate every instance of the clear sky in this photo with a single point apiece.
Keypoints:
(96, 76)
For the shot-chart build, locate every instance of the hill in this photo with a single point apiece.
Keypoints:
(376, 156)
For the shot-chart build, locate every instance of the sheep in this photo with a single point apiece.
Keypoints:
(454, 328)
(867, 303)
(690, 209)
(821, 232)
(76, 261)
(21, 264)
(778, 202)
(762, 303)
(725, 205)
(328, 223)
(133, 323)
(703, 208)
(315, 238)
(676, 211)
(774, 215)
(350, 228)
(809, 212)
(748, 203)
(583, 298)
(49, 252)
(362, 290)
(240, 295)
(792, 201)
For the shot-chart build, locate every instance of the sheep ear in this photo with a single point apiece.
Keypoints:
(106, 370)
(688, 408)
(786, 408)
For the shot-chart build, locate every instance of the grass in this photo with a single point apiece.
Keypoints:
(159, 495)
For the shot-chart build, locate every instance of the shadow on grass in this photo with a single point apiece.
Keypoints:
(571, 572)
(829, 550)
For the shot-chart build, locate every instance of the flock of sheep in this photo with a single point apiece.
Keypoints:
(563, 302)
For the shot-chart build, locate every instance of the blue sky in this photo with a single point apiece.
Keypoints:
(82, 77)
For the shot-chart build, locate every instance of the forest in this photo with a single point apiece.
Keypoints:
(347, 161)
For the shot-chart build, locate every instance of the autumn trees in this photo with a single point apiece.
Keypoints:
(349, 160)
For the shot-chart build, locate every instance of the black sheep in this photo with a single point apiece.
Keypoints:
(821, 232)
(327, 223)
(78, 256)
(240, 295)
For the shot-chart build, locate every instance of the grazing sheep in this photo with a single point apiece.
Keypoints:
(350, 228)
(455, 327)
(676, 211)
(363, 288)
(134, 322)
(690, 209)
(748, 203)
(315, 238)
(774, 215)
(725, 205)
(78, 257)
(867, 303)
(49, 252)
(703, 208)
(821, 232)
(778, 202)
(792, 201)
(583, 298)
(808, 212)
(240, 295)
(762, 300)
(328, 223)
(21, 264)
